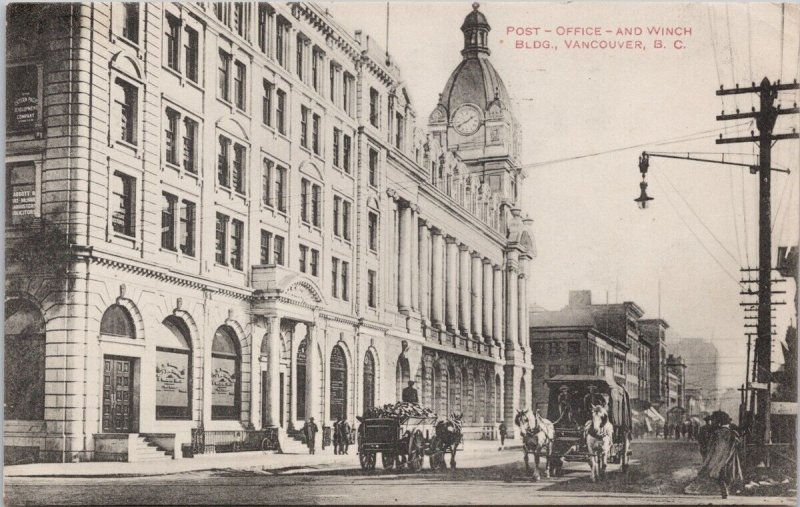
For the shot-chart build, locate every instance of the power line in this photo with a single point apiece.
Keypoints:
(735, 216)
(714, 47)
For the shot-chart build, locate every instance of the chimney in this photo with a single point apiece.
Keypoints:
(580, 298)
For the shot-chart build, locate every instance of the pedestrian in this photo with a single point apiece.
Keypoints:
(677, 431)
(667, 429)
(502, 430)
(310, 430)
(691, 431)
(704, 436)
(722, 461)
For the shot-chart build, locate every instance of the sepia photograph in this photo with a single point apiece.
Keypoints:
(406, 252)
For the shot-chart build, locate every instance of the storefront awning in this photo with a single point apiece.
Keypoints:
(653, 414)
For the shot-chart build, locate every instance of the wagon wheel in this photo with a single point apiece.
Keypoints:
(367, 460)
(437, 454)
(416, 452)
(388, 460)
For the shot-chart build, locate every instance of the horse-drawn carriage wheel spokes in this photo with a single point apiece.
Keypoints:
(388, 460)
(416, 452)
(367, 460)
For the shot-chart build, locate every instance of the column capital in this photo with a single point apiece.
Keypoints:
(424, 222)
(450, 239)
(463, 247)
(497, 267)
(435, 231)
(487, 261)
(392, 193)
(475, 255)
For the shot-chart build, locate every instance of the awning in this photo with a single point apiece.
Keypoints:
(653, 414)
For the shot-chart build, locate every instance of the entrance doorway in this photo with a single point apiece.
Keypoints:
(338, 384)
(118, 394)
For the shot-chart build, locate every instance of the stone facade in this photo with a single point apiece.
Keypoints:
(224, 215)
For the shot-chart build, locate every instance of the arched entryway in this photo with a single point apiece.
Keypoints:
(369, 382)
(174, 371)
(226, 375)
(498, 398)
(24, 361)
(300, 374)
(402, 376)
(338, 384)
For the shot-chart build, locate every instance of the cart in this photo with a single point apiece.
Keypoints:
(567, 397)
(402, 441)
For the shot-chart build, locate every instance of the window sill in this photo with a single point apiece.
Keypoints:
(126, 41)
(127, 145)
(119, 237)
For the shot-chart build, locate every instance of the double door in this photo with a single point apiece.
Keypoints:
(118, 389)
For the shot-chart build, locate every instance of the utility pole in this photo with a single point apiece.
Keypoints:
(765, 122)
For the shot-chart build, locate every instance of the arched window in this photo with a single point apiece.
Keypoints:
(454, 400)
(300, 372)
(369, 381)
(498, 399)
(338, 385)
(226, 375)
(402, 376)
(441, 393)
(487, 398)
(174, 371)
(117, 322)
(24, 361)
(523, 395)
(473, 397)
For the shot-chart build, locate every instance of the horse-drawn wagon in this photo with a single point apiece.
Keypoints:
(573, 400)
(404, 434)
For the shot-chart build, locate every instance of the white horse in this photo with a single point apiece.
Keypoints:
(599, 435)
(537, 438)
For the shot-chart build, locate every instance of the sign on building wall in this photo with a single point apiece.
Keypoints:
(172, 380)
(21, 192)
(223, 382)
(23, 110)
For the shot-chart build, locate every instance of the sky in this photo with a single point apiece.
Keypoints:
(702, 226)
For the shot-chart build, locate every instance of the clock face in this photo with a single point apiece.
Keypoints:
(467, 120)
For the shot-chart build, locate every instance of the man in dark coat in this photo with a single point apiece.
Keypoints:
(704, 436)
(410, 394)
(310, 430)
(502, 431)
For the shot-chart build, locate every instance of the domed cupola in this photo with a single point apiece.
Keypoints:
(476, 32)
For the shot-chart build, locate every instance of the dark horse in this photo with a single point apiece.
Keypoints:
(341, 437)
(447, 438)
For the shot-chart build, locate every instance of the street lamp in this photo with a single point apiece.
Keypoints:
(643, 198)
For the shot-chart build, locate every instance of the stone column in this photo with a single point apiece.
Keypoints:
(414, 255)
(497, 302)
(512, 293)
(423, 253)
(522, 303)
(464, 274)
(437, 272)
(312, 375)
(477, 296)
(451, 294)
(488, 288)
(404, 291)
(273, 408)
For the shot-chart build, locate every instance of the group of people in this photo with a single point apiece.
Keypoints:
(686, 430)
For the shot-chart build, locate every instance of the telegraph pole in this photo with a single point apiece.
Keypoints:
(765, 122)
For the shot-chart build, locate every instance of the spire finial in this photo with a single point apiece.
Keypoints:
(475, 6)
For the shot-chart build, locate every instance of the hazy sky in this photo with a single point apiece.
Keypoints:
(588, 231)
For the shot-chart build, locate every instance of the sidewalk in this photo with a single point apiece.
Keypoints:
(265, 461)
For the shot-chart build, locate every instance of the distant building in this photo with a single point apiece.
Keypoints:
(695, 403)
(702, 364)
(675, 408)
(653, 332)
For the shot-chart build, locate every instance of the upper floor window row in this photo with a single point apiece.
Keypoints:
(236, 16)
(181, 48)
(232, 76)
(181, 134)
(231, 161)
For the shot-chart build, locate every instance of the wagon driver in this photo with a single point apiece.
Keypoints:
(591, 399)
(410, 394)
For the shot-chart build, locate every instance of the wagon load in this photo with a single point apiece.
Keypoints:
(401, 432)
(399, 410)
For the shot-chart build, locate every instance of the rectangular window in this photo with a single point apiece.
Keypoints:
(123, 210)
(240, 19)
(265, 13)
(282, 41)
(168, 206)
(130, 21)
(316, 193)
(237, 236)
(223, 162)
(337, 134)
(303, 258)
(348, 85)
(190, 145)
(266, 241)
(192, 54)
(280, 188)
(280, 111)
(266, 184)
(171, 136)
(301, 49)
(278, 253)
(266, 104)
(345, 280)
(172, 36)
(346, 150)
(315, 120)
(374, 107)
(314, 262)
(373, 167)
(317, 61)
(238, 168)
(371, 289)
(399, 131)
(126, 101)
(337, 202)
(224, 72)
(187, 224)
(304, 126)
(221, 246)
(332, 71)
(305, 186)
(240, 85)
(346, 220)
(373, 231)
(335, 277)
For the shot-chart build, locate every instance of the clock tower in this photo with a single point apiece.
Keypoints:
(474, 119)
